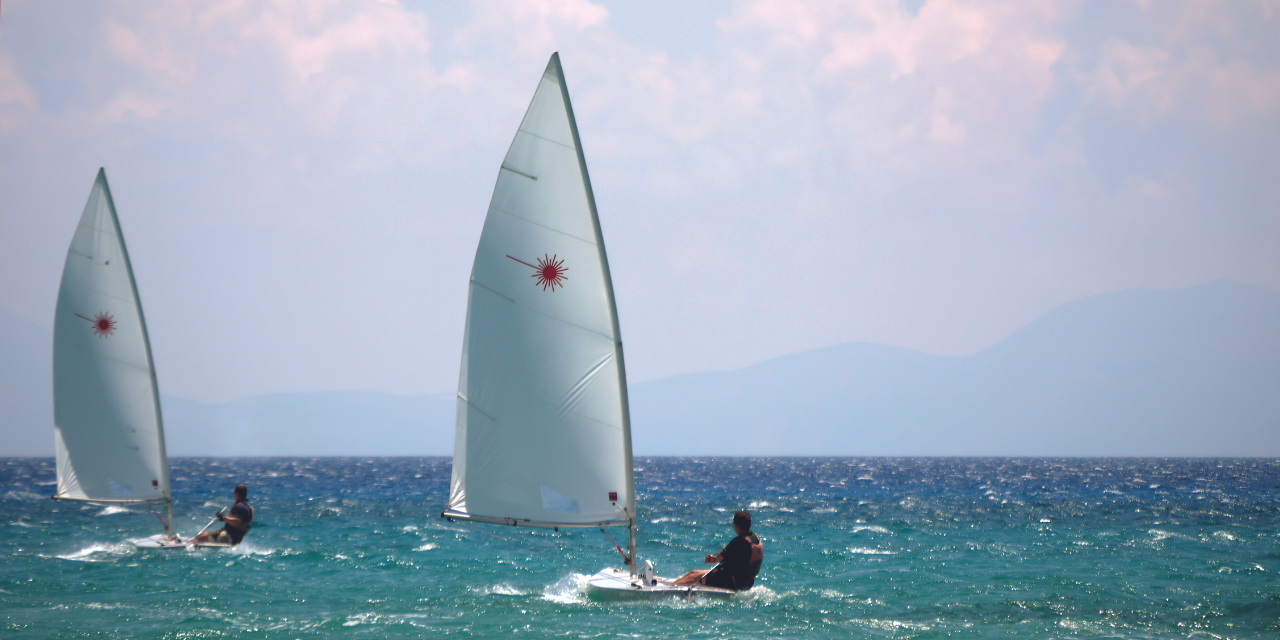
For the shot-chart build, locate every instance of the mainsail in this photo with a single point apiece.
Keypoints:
(543, 432)
(108, 430)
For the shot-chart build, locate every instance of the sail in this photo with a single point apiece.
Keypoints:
(543, 433)
(108, 430)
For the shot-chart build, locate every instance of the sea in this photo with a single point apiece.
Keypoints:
(854, 548)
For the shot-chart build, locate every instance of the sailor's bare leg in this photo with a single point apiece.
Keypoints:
(693, 577)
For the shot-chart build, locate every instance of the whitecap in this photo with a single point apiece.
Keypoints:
(867, 551)
(758, 505)
(570, 589)
(24, 495)
(427, 547)
(95, 552)
(360, 618)
(409, 528)
(874, 528)
(251, 549)
(1157, 535)
(890, 625)
(761, 594)
(112, 510)
(503, 589)
(104, 605)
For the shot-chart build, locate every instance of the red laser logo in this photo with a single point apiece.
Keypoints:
(549, 272)
(103, 324)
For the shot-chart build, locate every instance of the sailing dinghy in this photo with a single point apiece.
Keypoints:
(108, 429)
(543, 430)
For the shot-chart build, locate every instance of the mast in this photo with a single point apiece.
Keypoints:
(628, 462)
(151, 364)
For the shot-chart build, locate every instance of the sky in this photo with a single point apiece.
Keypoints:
(302, 183)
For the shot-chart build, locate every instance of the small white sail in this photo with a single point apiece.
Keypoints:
(543, 432)
(108, 430)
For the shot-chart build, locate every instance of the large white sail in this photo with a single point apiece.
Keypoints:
(543, 433)
(108, 430)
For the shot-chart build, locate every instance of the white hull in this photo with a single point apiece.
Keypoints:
(162, 541)
(616, 583)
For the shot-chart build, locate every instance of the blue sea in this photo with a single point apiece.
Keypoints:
(855, 548)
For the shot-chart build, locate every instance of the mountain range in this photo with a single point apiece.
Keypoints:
(1183, 372)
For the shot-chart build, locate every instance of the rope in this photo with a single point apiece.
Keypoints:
(158, 516)
(625, 558)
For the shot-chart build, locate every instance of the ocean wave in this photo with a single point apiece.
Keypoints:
(112, 510)
(874, 528)
(250, 549)
(427, 547)
(1158, 535)
(97, 552)
(868, 551)
(502, 589)
(760, 594)
(19, 495)
(357, 619)
(571, 589)
(891, 626)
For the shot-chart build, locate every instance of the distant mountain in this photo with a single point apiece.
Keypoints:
(1186, 372)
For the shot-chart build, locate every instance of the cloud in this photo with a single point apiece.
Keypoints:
(18, 101)
(806, 173)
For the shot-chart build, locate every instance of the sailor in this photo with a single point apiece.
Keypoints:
(739, 561)
(236, 523)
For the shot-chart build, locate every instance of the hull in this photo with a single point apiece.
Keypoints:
(162, 541)
(613, 584)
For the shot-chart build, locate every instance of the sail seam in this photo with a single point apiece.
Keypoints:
(541, 313)
(492, 290)
(534, 135)
(474, 406)
(518, 172)
(573, 397)
(538, 224)
(101, 293)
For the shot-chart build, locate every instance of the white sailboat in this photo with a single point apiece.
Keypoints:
(543, 429)
(108, 429)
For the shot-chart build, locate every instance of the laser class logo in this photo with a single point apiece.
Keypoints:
(549, 272)
(103, 324)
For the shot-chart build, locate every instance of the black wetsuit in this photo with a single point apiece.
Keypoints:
(242, 510)
(739, 563)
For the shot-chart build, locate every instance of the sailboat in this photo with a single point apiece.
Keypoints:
(543, 428)
(108, 429)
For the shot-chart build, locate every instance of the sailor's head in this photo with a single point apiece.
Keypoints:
(742, 522)
(242, 493)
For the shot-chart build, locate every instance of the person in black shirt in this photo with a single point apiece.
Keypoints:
(738, 563)
(237, 522)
